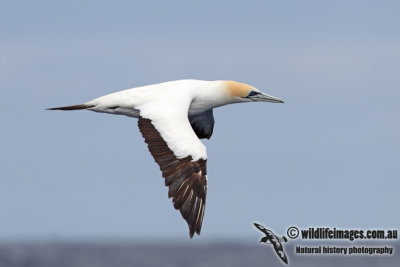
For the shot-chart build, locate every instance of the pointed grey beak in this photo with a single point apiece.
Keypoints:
(266, 98)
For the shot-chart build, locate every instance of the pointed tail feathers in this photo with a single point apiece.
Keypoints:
(75, 107)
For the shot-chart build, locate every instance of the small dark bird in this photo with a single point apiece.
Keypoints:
(274, 240)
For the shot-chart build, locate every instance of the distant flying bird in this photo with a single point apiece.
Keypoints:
(274, 240)
(173, 117)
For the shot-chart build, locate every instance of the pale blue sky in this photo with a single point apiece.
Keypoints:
(328, 156)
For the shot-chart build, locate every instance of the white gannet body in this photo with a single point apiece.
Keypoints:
(172, 117)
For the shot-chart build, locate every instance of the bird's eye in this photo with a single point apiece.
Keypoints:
(253, 93)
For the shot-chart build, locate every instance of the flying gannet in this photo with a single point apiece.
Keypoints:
(173, 117)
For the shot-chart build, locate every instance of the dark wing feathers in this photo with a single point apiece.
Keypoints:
(203, 124)
(185, 178)
(281, 254)
(261, 228)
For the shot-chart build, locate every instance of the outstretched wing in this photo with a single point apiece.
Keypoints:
(279, 250)
(261, 228)
(185, 171)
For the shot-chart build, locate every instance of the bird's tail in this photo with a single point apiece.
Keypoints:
(75, 107)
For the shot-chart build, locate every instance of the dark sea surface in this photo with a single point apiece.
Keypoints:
(85, 254)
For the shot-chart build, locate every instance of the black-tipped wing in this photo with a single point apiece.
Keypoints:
(185, 178)
(203, 124)
(280, 252)
(261, 228)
